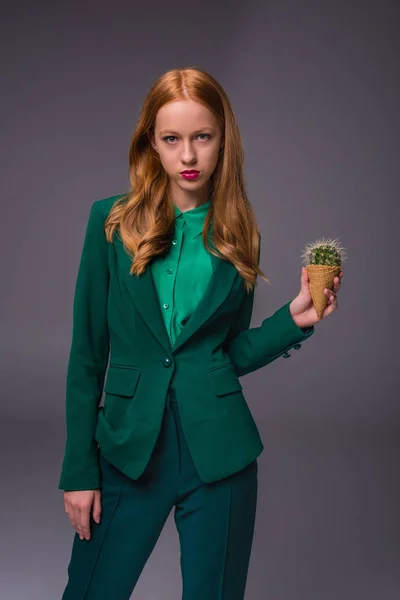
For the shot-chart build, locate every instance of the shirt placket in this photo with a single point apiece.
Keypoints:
(172, 265)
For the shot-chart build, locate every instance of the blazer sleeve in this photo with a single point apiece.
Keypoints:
(88, 359)
(252, 348)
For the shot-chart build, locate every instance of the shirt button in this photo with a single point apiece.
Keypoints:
(169, 271)
(167, 362)
(174, 242)
(165, 305)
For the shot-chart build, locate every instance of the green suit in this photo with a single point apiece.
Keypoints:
(116, 318)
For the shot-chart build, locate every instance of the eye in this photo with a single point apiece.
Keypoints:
(168, 137)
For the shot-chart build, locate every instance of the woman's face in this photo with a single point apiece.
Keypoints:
(187, 137)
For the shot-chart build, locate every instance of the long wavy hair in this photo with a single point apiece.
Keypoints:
(145, 214)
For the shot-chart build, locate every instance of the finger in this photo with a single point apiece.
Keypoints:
(337, 284)
(71, 518)
(329, 309)
(70, 513)
(85, 522)
(329, 292)
(332, 299)
(97, 507)
(75, 524)
(77, 521)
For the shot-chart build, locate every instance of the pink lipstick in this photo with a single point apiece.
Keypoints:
(190, 174)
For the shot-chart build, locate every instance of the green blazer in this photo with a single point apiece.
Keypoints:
(117, 323)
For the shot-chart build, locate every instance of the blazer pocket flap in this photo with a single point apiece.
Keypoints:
(224, 380)
(122, 381)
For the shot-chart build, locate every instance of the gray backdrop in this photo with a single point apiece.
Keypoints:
(315, 88)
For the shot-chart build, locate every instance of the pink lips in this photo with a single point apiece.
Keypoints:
(192, 174)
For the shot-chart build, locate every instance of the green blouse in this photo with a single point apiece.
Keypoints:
(182, 275)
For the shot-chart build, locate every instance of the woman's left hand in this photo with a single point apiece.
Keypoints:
(302, 308)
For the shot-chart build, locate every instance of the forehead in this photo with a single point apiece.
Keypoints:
(185, 116)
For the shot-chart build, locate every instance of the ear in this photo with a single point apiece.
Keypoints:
(152, 141)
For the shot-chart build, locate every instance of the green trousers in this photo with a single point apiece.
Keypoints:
(215, 524)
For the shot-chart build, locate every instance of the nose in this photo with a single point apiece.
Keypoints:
(188, 154)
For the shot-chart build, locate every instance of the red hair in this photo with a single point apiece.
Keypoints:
(145, 215)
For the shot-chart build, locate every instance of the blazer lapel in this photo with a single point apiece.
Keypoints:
(143, 293)
(219, 285)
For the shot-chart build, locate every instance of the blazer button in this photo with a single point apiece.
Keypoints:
(297, 346)
(286, 355)
(167, 362)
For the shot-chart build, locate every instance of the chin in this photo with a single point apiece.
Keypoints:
(192, 185)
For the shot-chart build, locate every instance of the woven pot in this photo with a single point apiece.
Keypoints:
(321, 277)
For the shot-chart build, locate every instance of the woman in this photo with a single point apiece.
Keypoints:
(164, 294)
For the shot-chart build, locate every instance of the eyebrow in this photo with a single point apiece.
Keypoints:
(175, 133)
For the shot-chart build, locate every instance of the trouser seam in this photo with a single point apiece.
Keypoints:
(102, 542)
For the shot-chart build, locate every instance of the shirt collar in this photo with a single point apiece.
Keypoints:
(193, 218)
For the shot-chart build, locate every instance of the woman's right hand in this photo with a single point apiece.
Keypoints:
(78, 506)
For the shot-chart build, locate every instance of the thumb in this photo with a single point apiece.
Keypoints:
(97, 506)
(304, 280)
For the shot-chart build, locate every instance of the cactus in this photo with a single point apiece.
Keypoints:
(323, 260)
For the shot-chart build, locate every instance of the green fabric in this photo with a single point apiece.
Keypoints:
(181, 276)
(215, 525)
(118, 330)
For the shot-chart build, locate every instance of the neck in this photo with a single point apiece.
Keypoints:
(186, 200)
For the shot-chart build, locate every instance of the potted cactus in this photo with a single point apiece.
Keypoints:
(323, 261)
